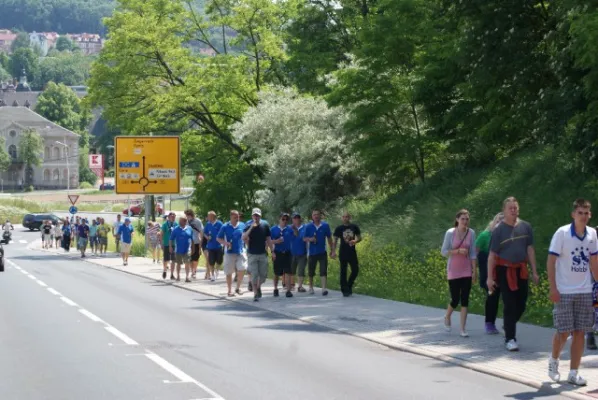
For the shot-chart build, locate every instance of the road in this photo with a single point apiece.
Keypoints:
(73, 330)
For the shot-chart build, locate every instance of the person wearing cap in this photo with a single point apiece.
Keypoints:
(257, 236)
(215, 250)
(317, 233)
(282, 236)
(298, 252)
(235, 258)
(168, 256)
(198, 232)
(83, 235)
(93, 237)
(182, 237)
(125, 234)
(103, 231)
(349, 234)
(115, 228)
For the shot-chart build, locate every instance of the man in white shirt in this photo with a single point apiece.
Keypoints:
(115, 227)
(572, 261)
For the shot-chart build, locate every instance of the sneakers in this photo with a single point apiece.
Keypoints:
(464, 334)
(259, 293)
(447, 324)
(238, 291)
(164, 275)
(171, 277)
(576, 379)
(256, 297)
(301, 289)
(511, 345)
(311, 290)
(591, 342)
(491, 329)
(275, 292)
(553, 370)
(324, 292)
(289, 294)
(249, 287)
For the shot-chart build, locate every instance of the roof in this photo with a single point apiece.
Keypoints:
(25, 117)
(20, 97)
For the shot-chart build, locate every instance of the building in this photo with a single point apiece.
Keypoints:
(6, 39)
(59, 163)
(44, 40)
(89, 43)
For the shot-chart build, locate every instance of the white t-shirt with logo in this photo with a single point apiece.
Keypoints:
(573, 253)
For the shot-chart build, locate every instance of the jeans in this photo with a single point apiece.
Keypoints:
(514, 301)
(491, 307)
(347, 286)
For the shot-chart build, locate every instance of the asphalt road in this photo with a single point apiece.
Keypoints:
(73, 330)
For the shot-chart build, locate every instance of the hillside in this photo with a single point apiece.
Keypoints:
(400, 259)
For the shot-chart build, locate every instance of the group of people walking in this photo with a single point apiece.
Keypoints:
(504, 251)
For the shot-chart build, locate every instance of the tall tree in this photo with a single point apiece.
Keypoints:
(4, 74)
(31, 148)
(22, 41)
(60, 104)
(24, 59)
(5, 159)
(63, 43)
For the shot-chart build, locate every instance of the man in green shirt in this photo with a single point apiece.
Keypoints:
(169, 256)
(103, 230)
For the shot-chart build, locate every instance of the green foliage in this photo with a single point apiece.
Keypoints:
(5, 159)
(60, 104)
(4, 60)
(4, 74)
(21, 42)
(24, 59)
(85, 173)
(68, 68)
(31, 149)
(85, 185)
(63, 43)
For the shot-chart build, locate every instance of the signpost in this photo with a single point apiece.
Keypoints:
(73, 198)
(96, 164)
(73, 210)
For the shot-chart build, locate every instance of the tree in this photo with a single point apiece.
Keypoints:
(5, 159)
(64, 44)
(60, 104)
(24, 59)
(31, 148)
(22, 41)
(72, 69)
(4, 74)
(4, 60)
(85, 173)
(300, 144)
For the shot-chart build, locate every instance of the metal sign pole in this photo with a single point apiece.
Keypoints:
(147, 215)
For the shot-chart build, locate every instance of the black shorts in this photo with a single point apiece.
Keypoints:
(313, 261)
(168, 256)
(195, 252)
(204, 243)
(282, 263)
(215, 256)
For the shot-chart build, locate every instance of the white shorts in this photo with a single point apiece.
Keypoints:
(47, 237)
(125, 247)
(234, 262)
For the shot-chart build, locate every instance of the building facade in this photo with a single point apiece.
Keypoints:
(60, 156)
(89, 43)
(6, 39)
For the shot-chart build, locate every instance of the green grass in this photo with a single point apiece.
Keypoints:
(401, 260)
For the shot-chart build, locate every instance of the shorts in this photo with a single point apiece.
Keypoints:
(93, 240)
(215, 257)
(298, 265)
(82, 243)
(257, 266)
(125, 247)
(168, 256)
(47, 237)
(154, 244)
(574, 312)
(322, 258)
(282, 263)
(195, 252)
(182, 258)
(234, 262)
(103, 241)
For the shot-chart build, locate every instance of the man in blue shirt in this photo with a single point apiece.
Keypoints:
(215, 251)
(181, 239)
(197, 227)
(235, 259)
(257, 237)
(282, 237)
(125, 233)
(83, 235)
(298, 252)
(316, 234)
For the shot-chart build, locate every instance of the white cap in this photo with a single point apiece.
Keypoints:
(256, 211)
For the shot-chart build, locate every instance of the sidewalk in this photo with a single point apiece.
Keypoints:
(407, 327)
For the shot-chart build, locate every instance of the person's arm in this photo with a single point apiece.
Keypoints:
(331, 243)
(221, 238)
(555, 296)
(491, 264)
(594, 260)
(357, 237)
(246, 234)
(531, 255)
(446, 250)
(270, 245)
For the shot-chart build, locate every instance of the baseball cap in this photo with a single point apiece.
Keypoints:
(296, 215)
(284, 214)
(256, 211)
(127, 219)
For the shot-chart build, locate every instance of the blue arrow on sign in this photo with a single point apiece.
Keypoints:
(73, 210)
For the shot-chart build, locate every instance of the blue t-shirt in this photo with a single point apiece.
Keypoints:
(287, 234)
(83, 231)
(126, 233)
(93, 230)
(298, 246)
(321, 234)
(66, 230)
(231, 234)
(212, 230)
(182, 237)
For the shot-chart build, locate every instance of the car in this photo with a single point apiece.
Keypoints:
(139, 209)
(107, 186)
(35, 221)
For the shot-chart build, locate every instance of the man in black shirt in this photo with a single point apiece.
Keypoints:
(257, 238)
(349, 235)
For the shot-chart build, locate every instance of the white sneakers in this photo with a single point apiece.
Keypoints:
(511, 345)
(574, 377)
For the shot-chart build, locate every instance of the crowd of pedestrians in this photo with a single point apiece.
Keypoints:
(503, 252)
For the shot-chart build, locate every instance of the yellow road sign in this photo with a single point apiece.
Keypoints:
(147, 164)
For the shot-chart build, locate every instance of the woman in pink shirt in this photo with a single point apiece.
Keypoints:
(459, 247)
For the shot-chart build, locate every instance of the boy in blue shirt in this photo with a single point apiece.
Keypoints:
(282, 237)
(235, 259)
(215, 251)
(317, 233)
(182, 237)
(125, 233)
(298, 252)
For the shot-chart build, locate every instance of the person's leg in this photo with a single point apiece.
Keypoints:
(465, 291)
(523, 285)
(354, 263)
(509, 299)
(241, 267)
(311, 272)
(229, 268)
(277, 271)
(287, 269)
(343, 275)
(187, 268)
(454, 291)
(179, 261)
(211, 263)
(324, 272)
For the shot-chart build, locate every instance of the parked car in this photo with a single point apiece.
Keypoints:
(107, 186)
(139, 209)
(35, 221)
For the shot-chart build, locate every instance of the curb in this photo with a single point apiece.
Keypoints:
(400, 347)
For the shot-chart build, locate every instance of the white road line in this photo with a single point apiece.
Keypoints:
(183, 377)
(24, 272)
(89, 315)
(121, 336)
(42, 284)
(31, 277)
(68, 301)
(22, 241)
(54, 292)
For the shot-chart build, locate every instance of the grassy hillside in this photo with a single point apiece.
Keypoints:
(400, 258)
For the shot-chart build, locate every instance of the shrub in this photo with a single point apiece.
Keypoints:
(85, 185)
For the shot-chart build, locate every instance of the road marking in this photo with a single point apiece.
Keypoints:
(121, 336)
(22, 241)
(42, 284)
(24, 272)
(89, 315)
(68, 301)
(54, 292)
(31, 277)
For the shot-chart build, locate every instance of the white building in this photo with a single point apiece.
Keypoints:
(59, 162)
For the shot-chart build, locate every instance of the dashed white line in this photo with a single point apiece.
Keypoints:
(121, 336)
(22, 241)
(54, 291)
(89, 315)
(31, 277)
(68, 301)
(42, 284)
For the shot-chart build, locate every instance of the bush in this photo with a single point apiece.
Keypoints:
(140, 226)
(29, 188)
(13, 214)
(85, 185)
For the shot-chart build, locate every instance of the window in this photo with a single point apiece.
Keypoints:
(46, 175)
(46, 153)
(56, 155)
(13, 133)
(12, 151)
(56, 175)
(65, 174)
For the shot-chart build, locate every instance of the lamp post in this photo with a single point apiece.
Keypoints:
(68, 172)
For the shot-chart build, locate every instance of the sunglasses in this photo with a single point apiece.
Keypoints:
(583, 213)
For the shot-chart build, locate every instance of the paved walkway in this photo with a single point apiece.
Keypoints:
(407, 327)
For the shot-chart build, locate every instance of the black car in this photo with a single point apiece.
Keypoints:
(35, 221)
(107, 186)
